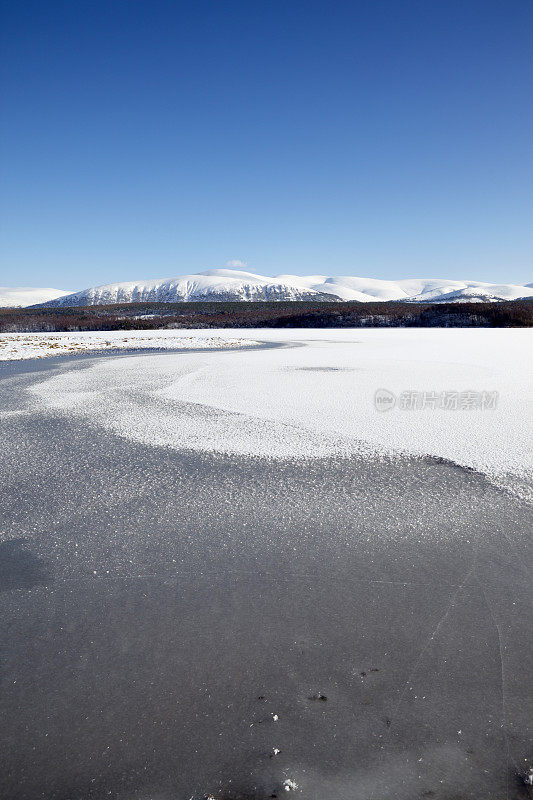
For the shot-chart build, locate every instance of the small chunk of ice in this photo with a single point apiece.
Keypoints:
(289, 785)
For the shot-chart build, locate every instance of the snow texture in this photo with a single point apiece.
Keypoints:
(19, 297)
(313, 396)
(230, 284)
(17, 346)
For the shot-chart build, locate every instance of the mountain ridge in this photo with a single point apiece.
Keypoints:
(226, 285)
(24, 296)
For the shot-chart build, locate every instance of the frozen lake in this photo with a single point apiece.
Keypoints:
(224, 570)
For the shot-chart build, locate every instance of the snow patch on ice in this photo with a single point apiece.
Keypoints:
(317, 398)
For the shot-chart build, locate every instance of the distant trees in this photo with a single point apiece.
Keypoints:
(147, 316)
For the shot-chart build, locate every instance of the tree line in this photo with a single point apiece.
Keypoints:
(294, 314)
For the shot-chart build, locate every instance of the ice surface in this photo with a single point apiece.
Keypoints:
(159, 608)
(162, 605)
(313, 395)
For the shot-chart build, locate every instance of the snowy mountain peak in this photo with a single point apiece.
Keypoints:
(237, 285)
(20, 297)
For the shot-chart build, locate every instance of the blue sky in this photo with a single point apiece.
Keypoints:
(151, 138)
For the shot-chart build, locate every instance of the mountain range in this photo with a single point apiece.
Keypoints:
(235, 285)
(22, 296)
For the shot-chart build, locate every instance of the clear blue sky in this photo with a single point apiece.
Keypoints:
(151, 138)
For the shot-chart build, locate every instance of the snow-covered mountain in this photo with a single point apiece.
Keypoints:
(24, 296)
(231, 285)
(218, 284)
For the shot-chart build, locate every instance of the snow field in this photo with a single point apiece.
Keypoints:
(16, 346)
(313, 396)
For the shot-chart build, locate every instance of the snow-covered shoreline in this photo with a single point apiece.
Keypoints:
(22, 346)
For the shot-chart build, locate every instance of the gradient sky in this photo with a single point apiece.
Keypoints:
(152, 138)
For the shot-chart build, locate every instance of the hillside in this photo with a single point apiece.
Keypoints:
(227, 285)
